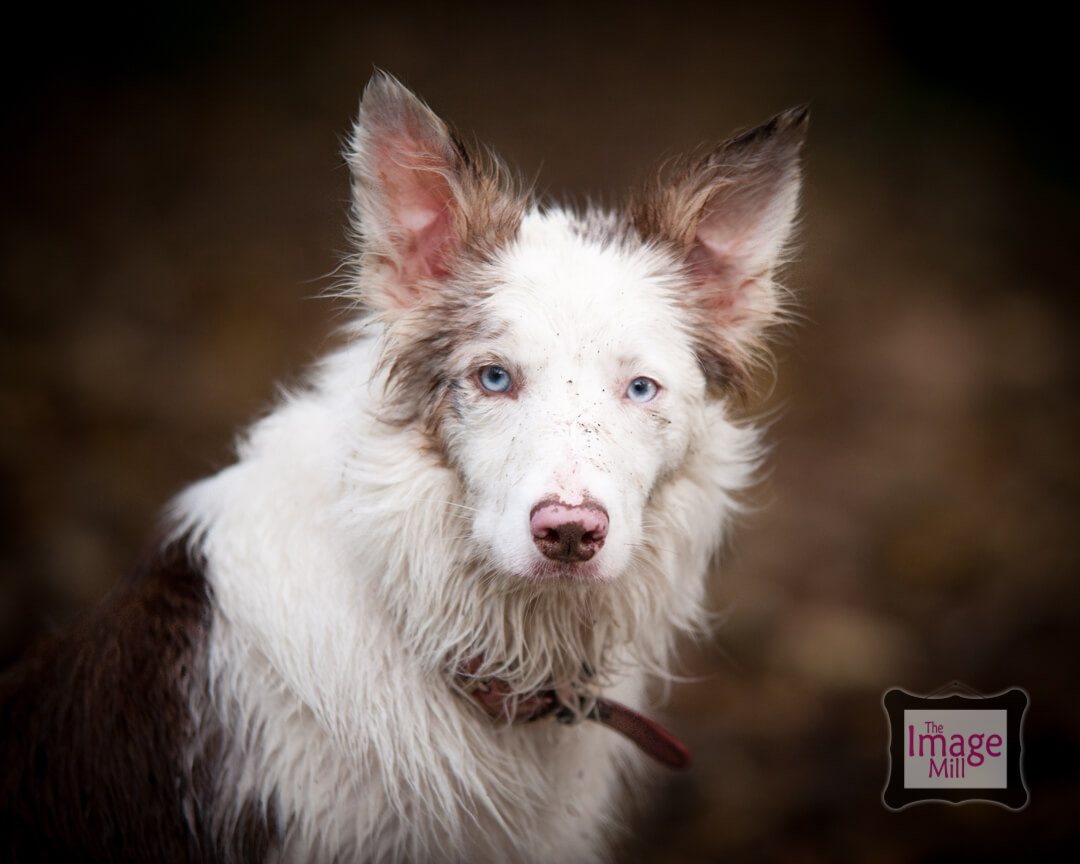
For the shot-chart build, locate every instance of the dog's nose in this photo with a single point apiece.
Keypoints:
(564, 532)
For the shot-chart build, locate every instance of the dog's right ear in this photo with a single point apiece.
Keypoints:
(419, 198)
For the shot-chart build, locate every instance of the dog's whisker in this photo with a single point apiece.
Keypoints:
(447, 503)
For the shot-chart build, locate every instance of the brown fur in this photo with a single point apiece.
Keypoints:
(425, 284)
(736, 184)
(98, 730)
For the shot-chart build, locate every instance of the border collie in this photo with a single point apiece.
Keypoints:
(416, 618)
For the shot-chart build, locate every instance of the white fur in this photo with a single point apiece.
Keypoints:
(355, 568)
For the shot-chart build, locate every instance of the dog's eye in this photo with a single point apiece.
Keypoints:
(642, 390)
(494, 379)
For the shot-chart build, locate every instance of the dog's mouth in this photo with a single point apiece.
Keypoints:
(566, 571)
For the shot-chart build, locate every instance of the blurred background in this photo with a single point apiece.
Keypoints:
(173, 199)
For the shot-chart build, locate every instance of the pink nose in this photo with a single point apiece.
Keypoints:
(564, 532)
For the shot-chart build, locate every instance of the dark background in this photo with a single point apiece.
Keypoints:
(173, 198)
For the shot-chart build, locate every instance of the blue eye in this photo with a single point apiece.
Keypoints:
(495, 379)
(642, 390)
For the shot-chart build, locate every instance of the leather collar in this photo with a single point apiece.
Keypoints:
(496, 698)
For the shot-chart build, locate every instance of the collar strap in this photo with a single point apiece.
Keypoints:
(495, 698)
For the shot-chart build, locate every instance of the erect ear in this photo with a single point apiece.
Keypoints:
(730, 215)
(418, 197)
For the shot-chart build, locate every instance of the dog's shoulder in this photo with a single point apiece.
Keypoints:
(102, 759)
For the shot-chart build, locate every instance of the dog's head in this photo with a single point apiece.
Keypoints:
(563, 365)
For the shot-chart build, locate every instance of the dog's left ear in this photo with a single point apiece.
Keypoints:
(419, 198)
(730, 216)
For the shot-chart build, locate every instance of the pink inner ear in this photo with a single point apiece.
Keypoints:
(736, 297)
(734, 245)
(718, 276)
(420, 202)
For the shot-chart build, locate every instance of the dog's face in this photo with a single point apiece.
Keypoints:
(578, 399)
(560, 364)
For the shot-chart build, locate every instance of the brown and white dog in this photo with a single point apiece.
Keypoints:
(497, 504)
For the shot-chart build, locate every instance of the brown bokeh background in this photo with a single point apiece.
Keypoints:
(173, 200)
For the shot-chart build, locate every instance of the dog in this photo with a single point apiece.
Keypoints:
(413, 618)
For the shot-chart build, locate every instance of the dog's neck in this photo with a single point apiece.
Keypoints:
(567, 637)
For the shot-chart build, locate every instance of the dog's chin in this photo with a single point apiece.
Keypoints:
(587, 572)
